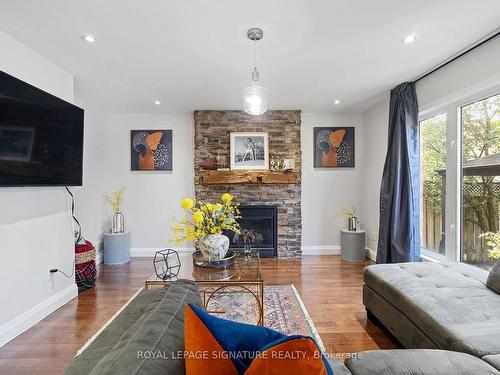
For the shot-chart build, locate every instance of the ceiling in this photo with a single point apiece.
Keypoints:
(193, 54)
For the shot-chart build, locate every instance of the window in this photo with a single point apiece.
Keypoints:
(433, 183)
(480, 190)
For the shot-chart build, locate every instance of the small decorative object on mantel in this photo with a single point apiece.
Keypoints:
(210, 164)
(281, 164)
(118, 222)
(288, 164)
(352, 219)
(167, 264)
(209, 222)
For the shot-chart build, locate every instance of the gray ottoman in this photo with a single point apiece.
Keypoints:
(418, 361)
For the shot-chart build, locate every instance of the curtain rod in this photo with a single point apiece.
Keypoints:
(459, 54)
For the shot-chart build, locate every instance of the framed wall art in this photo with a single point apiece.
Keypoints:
(151, 150)
(334, 147)
(249, 150)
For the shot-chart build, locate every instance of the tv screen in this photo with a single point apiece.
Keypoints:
(41, 137)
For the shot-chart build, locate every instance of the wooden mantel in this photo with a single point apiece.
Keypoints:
(248, 177)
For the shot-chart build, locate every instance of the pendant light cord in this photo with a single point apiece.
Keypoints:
(255, 53)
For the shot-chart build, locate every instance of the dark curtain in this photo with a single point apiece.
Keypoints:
(399, 230)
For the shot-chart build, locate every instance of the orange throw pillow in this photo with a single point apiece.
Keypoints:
(219, 346)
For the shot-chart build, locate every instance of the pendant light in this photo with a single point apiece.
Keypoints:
(255, 96)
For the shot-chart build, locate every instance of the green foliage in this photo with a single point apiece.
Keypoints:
(480, 124)
(433, 144)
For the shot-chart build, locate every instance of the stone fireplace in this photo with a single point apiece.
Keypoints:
(212, 138)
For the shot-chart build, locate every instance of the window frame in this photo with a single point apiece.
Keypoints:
(452, 107)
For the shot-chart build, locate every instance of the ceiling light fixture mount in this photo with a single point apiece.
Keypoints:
(336, 101)
(89, 38)
(255, 96)
(409, 39)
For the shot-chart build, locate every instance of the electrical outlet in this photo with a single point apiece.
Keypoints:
(50, 274)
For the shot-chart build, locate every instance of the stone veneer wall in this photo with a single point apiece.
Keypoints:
(211, 136)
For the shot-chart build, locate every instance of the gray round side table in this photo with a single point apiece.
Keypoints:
(116, 248)
(352, 245)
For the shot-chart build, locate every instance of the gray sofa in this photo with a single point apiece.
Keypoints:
(154, 323)
(434, 305)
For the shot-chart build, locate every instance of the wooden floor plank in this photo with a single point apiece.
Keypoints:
(329, 287)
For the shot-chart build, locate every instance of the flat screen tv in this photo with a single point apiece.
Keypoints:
(41, 137)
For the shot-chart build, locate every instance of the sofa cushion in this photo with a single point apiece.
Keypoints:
(493, 281)
(493, 360)
(417, 362)
(138, 339)
(450, 303)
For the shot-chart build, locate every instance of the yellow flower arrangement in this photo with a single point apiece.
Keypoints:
(208, 218)
(116, 200)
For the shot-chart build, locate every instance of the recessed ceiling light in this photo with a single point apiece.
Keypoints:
(336, 101)
(409, 39)
(157, 102)
(89, 38)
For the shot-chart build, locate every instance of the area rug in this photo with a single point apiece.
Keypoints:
(284, 310)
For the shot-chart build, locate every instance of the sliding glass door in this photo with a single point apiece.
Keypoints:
(480, 182)
(460, 179)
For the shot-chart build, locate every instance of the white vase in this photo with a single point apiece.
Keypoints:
(214, 246)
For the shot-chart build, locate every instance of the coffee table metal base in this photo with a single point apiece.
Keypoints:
(209, 289)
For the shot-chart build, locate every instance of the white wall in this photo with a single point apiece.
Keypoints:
(325, 191)
(375, 144)
(475, 72)
(152, 198)
(35, 225)
(97, 156)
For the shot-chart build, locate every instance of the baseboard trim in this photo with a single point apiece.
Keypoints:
(150, 251)
(333, 250)
(26, 320)
(371, 254)
(321, 250)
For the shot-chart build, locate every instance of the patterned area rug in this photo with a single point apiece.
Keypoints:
(284, 310)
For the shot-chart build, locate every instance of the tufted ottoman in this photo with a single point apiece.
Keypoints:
(435, 305)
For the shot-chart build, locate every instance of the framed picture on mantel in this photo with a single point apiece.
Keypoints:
(334, 147)
(249, 150)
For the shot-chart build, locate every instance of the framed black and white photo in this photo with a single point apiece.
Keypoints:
(249, 150)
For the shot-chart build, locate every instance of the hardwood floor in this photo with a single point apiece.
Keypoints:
(329, 287)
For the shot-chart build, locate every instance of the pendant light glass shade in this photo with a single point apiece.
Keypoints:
(255, 100)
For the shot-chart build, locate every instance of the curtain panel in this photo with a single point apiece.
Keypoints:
(399, 230)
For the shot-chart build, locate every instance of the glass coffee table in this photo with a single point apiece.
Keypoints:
(244, 275)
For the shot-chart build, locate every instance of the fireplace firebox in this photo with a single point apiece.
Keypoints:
(262, 221)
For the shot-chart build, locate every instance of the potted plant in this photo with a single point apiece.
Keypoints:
(207, 225)
(352, 219)
(115, 200)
